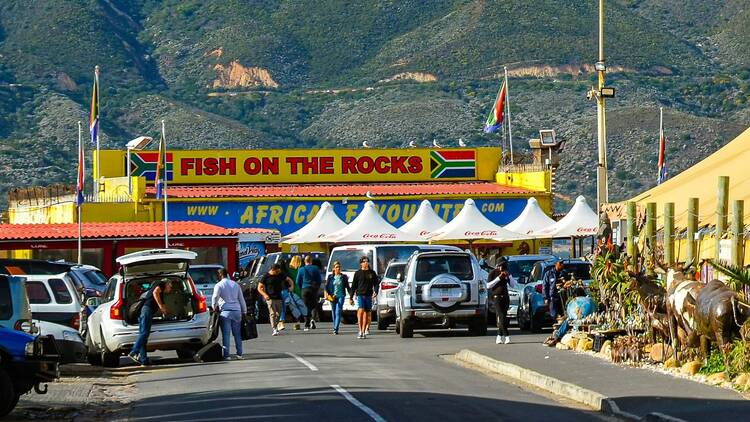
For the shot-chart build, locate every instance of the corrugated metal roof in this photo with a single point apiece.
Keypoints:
(110, 230)
(344, 189)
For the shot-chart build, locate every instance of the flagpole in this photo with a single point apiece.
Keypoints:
(78, 202)
(507, 109)
(164, 195)
(98, 151)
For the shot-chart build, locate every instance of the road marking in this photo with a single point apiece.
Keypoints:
(303, 361)
(371, 413)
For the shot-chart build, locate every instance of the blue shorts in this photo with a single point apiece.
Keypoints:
(364, 302)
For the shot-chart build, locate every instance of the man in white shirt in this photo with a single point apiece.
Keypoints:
(228, 300)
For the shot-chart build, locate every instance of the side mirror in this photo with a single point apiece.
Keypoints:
(93, 302)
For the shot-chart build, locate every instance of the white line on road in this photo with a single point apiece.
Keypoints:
(371, 413)
(303, 361)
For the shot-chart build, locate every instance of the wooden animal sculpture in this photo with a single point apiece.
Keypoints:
(719, 315)
(682, 296)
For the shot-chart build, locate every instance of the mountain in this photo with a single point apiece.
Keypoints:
(283, 73)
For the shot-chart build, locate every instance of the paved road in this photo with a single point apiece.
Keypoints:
(316, 376)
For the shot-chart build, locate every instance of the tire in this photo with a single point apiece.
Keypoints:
(523, 320)
(478, 326)
(8, 396)
(109, 359)
(382, 323)
(398, 326)
(535, 324)
(407, 329)
(92, 356)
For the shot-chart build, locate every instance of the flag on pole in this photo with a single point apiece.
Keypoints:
(495, 118)
(80, 179)
(662, 155)
(161, 167)
(94, 116)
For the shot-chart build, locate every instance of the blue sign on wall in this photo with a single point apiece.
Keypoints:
(250, 251)
(289, 216)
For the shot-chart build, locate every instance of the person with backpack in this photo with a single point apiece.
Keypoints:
(309, 279)
(151, 302)
(337, 286)
(229, 301)
(365, 286)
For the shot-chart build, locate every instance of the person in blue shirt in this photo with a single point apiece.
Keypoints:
(309, 279)
(337, 286)
(551, 278)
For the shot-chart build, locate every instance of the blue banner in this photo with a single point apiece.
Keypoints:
(289, 216)
(249, 251)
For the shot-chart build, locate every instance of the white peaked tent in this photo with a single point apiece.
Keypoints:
(325, 221)
(581, 220)
(531, 219)
(471, 224)
(369, 226)
(424, 221)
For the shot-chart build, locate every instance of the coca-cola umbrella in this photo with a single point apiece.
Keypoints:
(470, 224)
(369, 226)
(325, 221)
(580, 221)
(531, 219)
(424, 221)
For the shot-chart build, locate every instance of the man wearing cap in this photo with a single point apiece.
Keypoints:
(365, 285)
(550, 281)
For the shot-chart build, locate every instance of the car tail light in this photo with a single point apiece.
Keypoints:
(23, 325)
(387, 285)
(76, 321)
(199, 298)
(115, 312)
(539, 288)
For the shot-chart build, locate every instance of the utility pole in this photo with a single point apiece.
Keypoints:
(600, 93)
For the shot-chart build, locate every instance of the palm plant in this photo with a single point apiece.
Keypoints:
(739, 276)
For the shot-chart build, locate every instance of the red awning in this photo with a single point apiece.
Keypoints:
(344, 189)
(111, 230)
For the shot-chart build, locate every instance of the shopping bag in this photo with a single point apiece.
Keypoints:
(297, 305)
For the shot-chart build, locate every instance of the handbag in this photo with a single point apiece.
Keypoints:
(330, 297)
(249, 329)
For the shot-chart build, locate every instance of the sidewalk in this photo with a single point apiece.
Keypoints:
(635, 390)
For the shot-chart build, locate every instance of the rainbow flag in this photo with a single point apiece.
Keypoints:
(160, 177)
(80, 179)
(495, 118)
(94, 116)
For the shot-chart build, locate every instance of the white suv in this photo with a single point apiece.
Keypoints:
(442, 288)
(113, 332)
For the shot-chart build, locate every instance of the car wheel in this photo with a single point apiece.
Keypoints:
(8, 396)
(109, 359)
(407, 329)
(535, 323)
(398, 326)
(523, 320)
(382, 323)
(92, 356)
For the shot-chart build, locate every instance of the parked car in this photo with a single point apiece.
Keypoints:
(15, 313)
(86, 278)
(186, 327)
(380, 256)
(533, 314)
(205, 278)
(54, 298)
(386, 301)
(26, 362)
(519, 267)
(442, 288)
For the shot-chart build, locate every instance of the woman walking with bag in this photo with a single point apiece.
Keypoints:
(337, 286)
(228, 300)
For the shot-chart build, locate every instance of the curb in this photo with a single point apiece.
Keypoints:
(555, 386)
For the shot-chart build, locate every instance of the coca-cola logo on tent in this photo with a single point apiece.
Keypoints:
(481, 233)
(378, 236)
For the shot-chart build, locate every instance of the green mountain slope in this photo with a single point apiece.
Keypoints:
(285, 73)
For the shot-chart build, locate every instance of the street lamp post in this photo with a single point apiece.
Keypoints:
(600, 92)
(136, 144)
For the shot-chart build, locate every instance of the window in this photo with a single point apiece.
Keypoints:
(386, 254)
(580, 271)
(6, 305)
(37, 292)
(349, 258)
(429, 267)
(91, 256)
(60, 290)
(204, 275)
(109, 294)
(394, 270)
(521, 269)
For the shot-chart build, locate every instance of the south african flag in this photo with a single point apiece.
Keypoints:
(453, 164)
(144, 164)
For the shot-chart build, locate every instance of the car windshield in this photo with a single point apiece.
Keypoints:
(521, 269)
(394, 270)
(430, 266)
(581, 271)
(349, 258)
(386, 254)
(204, 275)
